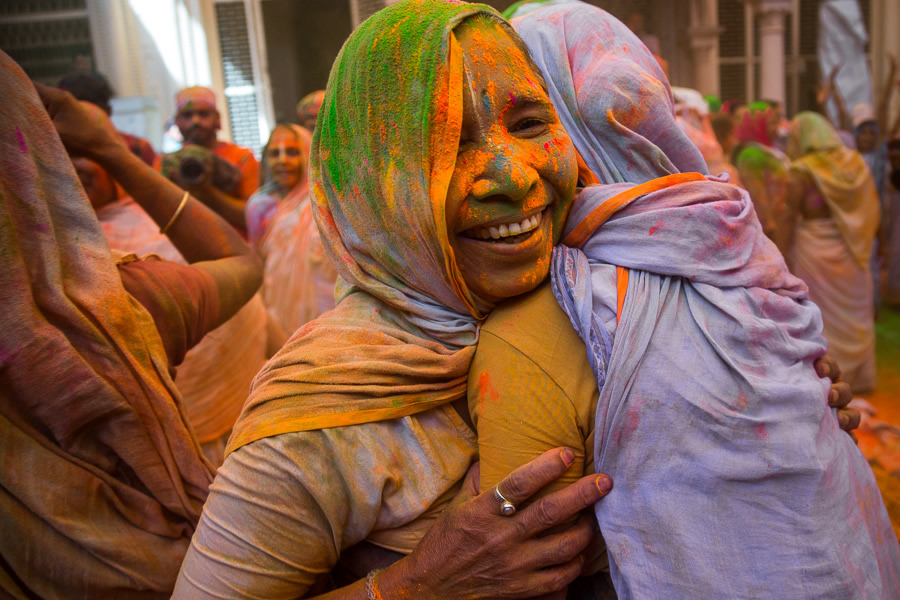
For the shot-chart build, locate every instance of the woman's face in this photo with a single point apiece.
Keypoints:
(285, 159)
(515, 172)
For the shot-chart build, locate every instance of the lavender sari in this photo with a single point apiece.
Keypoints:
(733, 479)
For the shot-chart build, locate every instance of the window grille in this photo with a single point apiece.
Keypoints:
(240, 87)
(45, 36)
(802, 69)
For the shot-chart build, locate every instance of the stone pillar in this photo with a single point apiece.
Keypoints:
(771, 15)
(704, 38)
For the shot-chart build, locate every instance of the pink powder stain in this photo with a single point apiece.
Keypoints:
(655, 228)
(23, 147)
(761, 433)
(547, 147)
(512, 98)
(6, 355)
(630, 425)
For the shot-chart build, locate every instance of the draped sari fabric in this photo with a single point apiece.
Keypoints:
(733, 479)
(402, 336)
(843, 178)
(214, 377)
(298, 279)
(620, 120)
(832, 254)
(104, 480)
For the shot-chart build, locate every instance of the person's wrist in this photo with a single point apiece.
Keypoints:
(108, 153)
(403, 580)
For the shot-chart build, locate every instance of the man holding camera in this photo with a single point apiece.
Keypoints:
(220, 174)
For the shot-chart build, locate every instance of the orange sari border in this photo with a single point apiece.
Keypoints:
(579, 235)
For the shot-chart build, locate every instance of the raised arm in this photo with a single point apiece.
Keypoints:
(827, 89)
(203, 237)
(231, 208)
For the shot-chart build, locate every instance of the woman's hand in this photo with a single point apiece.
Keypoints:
(81, 132)
(840, 395)
(472, 551)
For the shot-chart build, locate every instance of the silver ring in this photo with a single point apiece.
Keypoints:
(507, 508)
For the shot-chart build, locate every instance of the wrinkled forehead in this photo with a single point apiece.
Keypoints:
(497, 69)
(493, 48)
(284, 137)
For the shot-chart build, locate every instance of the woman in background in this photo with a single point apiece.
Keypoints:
(298, 282)
(763, 171)
(834, 216)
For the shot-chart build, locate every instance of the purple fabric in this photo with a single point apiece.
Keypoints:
(733, 479)
(611, 95)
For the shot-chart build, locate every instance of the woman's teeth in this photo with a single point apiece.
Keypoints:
(505, 231)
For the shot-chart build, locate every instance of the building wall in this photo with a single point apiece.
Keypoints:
(299, 63)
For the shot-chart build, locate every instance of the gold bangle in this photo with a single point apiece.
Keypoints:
(177, 212)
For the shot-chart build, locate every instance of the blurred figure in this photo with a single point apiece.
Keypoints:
(692, 116)
(870, 132)
(298, 280)
(890, 249)
(834, 203)
(779, 128)
(94, 88)
(103, 479)
(214, 377)
(308, 109)
(763, 171)
(723, 126)
(194, 167)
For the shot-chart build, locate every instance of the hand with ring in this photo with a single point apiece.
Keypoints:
(507, 508)
(485, 548)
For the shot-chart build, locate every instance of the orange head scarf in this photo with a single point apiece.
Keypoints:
(401, 338)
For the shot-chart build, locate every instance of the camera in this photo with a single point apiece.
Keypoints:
(194, 165)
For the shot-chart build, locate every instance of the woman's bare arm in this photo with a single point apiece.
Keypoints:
(206, 240)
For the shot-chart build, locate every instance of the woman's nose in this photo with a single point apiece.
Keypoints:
(507, 175)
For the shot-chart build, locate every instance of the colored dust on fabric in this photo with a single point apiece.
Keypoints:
(108, 480)
(401, 337)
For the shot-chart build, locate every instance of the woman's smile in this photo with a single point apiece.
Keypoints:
(515, 170)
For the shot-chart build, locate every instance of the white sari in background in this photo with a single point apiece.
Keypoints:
(298, 280)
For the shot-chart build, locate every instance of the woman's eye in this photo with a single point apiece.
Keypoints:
(530, 125)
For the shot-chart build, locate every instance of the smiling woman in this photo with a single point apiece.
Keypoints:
(515, 171)
(356, 433)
